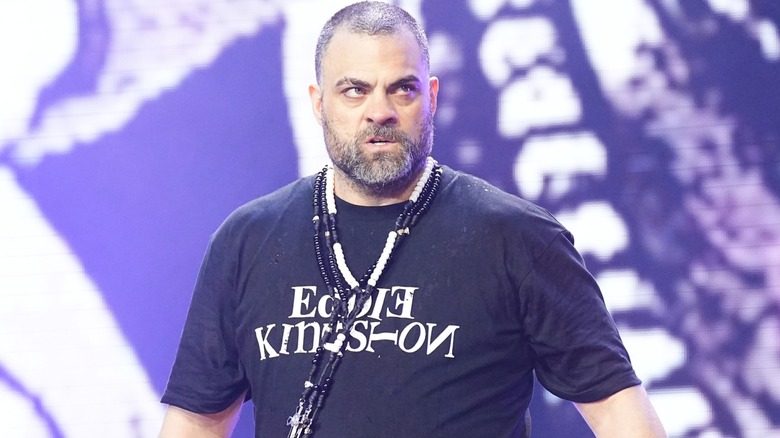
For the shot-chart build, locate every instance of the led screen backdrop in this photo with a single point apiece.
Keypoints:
(130, 128)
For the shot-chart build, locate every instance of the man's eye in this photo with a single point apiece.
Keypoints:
(407, 89)
(354, 92)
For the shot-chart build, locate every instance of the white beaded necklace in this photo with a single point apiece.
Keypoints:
(392, 236)
(349, 299)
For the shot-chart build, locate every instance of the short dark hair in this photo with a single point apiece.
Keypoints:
(370, 18)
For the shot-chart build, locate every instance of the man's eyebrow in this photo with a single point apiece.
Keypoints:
(406, 80)
(363, 84)
(352, 81)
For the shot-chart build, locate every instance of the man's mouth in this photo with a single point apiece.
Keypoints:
(380, 141)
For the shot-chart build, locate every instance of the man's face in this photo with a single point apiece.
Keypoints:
(376, 105)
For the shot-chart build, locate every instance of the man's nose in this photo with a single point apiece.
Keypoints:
(380, 110)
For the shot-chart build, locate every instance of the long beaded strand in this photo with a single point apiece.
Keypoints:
(350, 295)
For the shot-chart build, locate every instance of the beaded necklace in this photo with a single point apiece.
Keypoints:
(349, 294)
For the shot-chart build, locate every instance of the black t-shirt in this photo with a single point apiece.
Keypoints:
(486, 290)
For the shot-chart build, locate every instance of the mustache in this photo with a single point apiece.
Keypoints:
(387, 132)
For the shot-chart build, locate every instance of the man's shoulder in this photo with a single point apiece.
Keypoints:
(289, 201)
(479, 203)
(480, 196)
(280, 199)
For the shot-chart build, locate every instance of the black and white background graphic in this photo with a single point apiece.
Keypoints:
(130, 128)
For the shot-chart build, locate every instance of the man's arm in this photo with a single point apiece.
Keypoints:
(625, 414)
(179, 422)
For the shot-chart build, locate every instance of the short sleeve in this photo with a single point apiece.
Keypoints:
(207, 375)
(578, 353)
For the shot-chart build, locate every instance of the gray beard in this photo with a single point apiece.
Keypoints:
(385, 172)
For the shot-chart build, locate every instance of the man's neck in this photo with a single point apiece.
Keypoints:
(356, 194)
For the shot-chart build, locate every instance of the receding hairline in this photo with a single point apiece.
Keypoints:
(341, 39)
(370, 18)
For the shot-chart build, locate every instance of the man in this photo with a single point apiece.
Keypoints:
(467, 290)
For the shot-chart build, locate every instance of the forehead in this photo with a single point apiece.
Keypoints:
(355, 55)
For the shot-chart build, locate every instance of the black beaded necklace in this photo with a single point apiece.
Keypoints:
(349, 295)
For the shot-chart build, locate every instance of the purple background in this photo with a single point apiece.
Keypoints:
(137, 206)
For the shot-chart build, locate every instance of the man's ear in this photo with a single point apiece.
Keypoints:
(315, 94)
(433, 86)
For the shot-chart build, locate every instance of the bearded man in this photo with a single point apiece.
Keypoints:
(389, 296)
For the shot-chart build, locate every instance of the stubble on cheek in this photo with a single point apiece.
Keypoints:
(377, 170)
